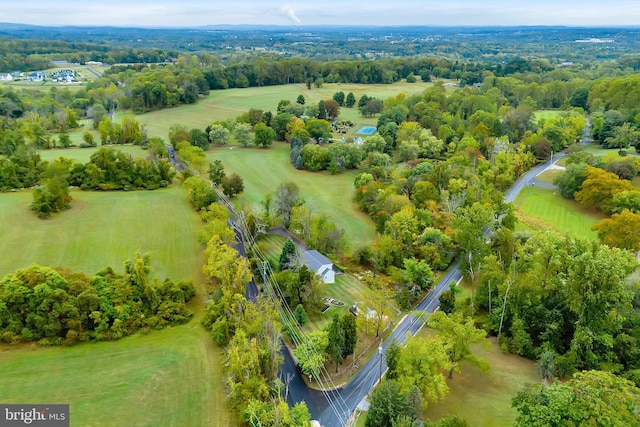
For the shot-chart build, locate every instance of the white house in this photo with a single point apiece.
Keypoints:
(319, 264)
(6, 76)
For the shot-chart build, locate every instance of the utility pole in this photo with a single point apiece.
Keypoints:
(380, 353)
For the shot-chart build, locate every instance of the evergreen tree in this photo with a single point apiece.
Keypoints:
(301, 315)
(350, 332)
(322, 110)
(288, 256)
(351, 100)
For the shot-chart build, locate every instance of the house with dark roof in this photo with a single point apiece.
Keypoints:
(320, 265)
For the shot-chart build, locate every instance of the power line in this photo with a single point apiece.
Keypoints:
(327, 387)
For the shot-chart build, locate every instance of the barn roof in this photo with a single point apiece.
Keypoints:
(314, 260)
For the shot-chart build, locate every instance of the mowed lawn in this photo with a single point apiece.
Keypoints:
(104, 229)
(542, 209)
(546, 114)
(483, 399)
(230, 103)
(264, 169)
(170, 377)
(549, 176)
(166, 378)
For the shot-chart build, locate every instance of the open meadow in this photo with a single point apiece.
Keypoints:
(546, 114)
(230, 103)
(104, 229)
(545, 209)
(166, 378)
(483, 399)
(264, 169)
(159, 379)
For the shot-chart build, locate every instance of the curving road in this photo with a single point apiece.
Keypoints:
(347, 398)
(364, 381)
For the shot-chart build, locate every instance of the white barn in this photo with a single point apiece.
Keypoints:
(320, 265)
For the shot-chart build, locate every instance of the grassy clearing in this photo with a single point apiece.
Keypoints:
(271, 246)
(104, 229)
(230, 103)
(264, 169)
(549, 176)
(546, 114)
(166, 378)
(83, 155)
(541, 209)
(483, 399)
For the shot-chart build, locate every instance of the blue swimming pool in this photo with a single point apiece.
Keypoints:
(366, 130)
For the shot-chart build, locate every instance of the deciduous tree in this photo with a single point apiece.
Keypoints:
(459, 333)
(242, 134)
(264, 135)
(594, 398)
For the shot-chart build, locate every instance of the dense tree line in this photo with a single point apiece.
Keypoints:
(534, 83)
(30, 55)
(568, 297)
(112, 169)
(57, 306)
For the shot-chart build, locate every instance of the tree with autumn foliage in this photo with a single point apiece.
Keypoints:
(621, 230)
(599, 188)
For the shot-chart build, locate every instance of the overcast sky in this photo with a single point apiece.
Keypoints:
(179, 13)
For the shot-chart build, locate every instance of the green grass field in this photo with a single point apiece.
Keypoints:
(264, 169)
(83, 155)
(541, 208)
(549, 176)
(483, 399)
(104, 229)
(166, 378)
(230, 103)
(546, 114)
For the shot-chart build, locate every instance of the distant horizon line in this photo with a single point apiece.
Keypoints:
(301, 27)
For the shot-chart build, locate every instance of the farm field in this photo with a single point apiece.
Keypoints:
(483, 399)
(161, 379)
(104, 229)
(544, 209)
(230, 103)
(83, 155)
(264, 169)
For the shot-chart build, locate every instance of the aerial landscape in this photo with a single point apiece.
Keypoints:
(340, 214)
